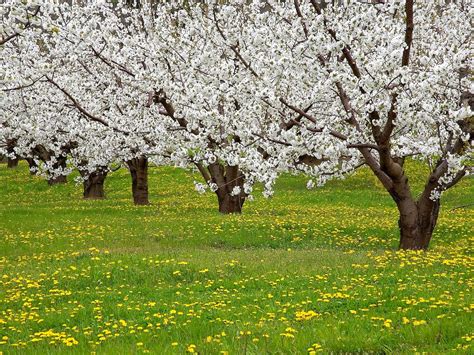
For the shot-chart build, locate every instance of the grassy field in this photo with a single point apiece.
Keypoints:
(303, 272)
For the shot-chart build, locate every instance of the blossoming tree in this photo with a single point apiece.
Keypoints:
(249, 89)
(39, 124)
(158, 84)
(372, 84)
(16, 17)
(200, 87)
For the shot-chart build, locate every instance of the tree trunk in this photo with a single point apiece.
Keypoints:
(58, 179)
(230, 204)
(139, 172)
(12, 163)
(417, 222)
(227, 178)
(94, 185)
(33, 166)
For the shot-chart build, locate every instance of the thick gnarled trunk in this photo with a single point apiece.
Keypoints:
(94, 185)
(227, 178)
(230, 204)
(139, 172)
(417, 222)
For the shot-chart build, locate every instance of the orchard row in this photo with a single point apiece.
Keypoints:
(242, 92)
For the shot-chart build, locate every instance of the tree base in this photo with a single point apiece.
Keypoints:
(141, 202)
(413, 243)
(61, 179)
(12, 163)
(417, 223)
(139, 172)
(94, 186)
(94, 192)
(231, 204)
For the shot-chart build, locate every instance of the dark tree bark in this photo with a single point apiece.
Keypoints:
(33, 166)
(12, 163)
(226, 178)
(59, 179)
(41, 152)
(417, 222)
(94, 185)
(139, 172)
(60, 164)
(416, 233)
(230, 204)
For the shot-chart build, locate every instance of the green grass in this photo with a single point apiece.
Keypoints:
(303, 268)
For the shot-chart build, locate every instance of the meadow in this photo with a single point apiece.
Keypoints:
(301, 273)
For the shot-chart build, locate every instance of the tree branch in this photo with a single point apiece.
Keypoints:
(27, 24)
(363, 145)
(345, 51)
(312, 119)
(233, 47)
(203, 171)
(23, 86)
(300, 15)
(456, 179)
(408, 32)
(77, 105)
(109, 63)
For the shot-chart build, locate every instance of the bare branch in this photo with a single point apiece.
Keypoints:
(312, 119)
(23, 86)
(203, 171)
(300, 15)
(408, 32)
(109, 62)
(273, 140)
(363, 145)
